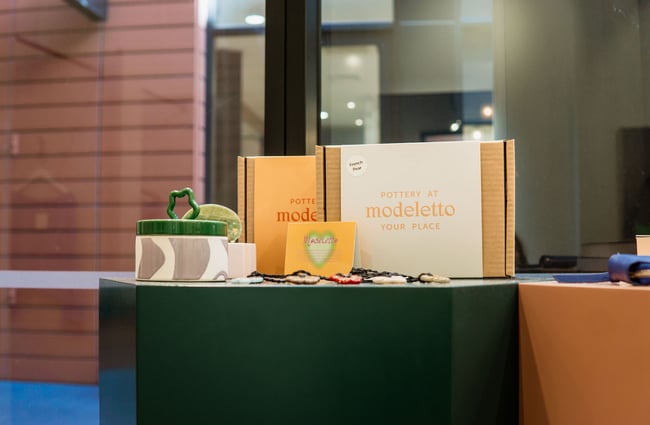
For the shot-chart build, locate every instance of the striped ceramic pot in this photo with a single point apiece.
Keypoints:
(181, 258)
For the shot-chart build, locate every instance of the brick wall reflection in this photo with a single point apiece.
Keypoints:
(98, 122)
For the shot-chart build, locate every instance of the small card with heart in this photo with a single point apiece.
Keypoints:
(322, 248)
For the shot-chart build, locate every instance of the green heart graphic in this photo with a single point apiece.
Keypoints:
(319, 247)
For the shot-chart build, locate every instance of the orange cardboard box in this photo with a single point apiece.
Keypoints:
(272, 192)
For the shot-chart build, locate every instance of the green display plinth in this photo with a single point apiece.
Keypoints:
(276, 354)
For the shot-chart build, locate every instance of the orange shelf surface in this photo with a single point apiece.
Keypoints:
(584, 354)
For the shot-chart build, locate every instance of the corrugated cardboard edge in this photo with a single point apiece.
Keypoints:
(497, 203)
(510, 206)
(320, 183)
(328, 183)
(241, 196)
(250, 199)
(245, 200)
(493, 206)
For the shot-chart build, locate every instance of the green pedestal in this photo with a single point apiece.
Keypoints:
(308, 355)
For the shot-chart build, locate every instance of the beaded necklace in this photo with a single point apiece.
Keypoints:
(356, 276)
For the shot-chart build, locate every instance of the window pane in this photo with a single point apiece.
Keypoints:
(99, 121)
(570, 81)
(238, 93)
(573, 88)
(424, 71)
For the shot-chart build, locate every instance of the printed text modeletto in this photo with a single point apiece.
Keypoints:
(416, 209)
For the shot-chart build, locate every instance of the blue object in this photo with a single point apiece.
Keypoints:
(630, 268)
(581, 277)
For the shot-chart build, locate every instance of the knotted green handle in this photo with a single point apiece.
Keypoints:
(190, 199)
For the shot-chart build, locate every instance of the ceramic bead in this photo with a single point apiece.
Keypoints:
(432, 278)
(385, 280)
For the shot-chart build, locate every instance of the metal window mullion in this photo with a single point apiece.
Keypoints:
(292, 100)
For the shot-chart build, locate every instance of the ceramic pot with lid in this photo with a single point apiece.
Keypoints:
(181, 249)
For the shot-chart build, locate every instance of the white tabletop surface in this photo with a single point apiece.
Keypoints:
(56, 279)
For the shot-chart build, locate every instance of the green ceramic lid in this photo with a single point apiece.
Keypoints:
(182, 227)
(176, 226)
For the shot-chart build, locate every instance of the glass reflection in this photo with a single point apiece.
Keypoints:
(424, 71)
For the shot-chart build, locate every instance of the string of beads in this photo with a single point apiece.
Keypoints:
(356, 276)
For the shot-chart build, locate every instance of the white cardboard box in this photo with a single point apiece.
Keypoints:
(440, 207)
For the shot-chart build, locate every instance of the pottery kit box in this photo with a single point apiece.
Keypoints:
(272, 192)
(440, 207)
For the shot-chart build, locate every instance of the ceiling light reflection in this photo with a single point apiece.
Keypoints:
(353, 61)
(254, 19)
(487, 111)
